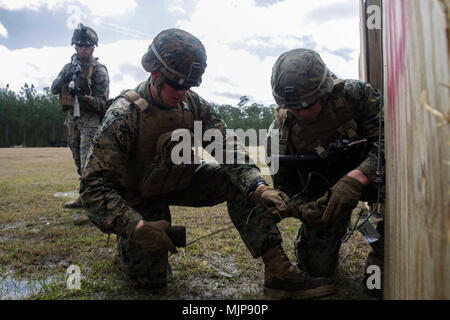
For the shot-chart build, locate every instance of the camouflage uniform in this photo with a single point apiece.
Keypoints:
(82, 130)
(350, 110)
(119, 189)
(117, 209)
(130, 180)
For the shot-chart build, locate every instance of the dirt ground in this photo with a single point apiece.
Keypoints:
(38, 242)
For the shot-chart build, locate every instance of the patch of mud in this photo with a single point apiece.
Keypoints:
(214, 288)
(221, 279)
(15, 225)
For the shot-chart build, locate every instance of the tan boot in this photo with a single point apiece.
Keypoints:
(82, 219)
(73, 204)
(282, 280)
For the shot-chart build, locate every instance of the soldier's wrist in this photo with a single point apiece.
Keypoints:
(131, 225)
(256, 186)
(359, 176)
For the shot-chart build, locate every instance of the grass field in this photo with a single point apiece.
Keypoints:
(38, 242)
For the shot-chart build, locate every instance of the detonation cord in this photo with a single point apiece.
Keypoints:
(249, 215)
(224, 229)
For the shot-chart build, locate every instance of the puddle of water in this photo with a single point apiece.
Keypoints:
(14, 289)
(67, 194)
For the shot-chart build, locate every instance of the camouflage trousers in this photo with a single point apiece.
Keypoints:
(210, 186)
(317, 246)
(81, 132)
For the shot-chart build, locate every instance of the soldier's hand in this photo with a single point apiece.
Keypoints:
(86, 99)
(274, 200)
(313, 211)
(152, 236)
(344, 197)
(68, 76)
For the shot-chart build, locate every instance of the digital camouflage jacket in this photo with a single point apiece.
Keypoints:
(104, 195)
(94, 86)
(352, 112)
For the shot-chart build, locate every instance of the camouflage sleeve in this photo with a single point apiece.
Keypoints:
(367, 103)
(100, 88)
(101, 182)
(57, 83)
(243, 174)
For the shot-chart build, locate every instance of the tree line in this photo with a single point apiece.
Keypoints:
(29, 118)
(33, 119)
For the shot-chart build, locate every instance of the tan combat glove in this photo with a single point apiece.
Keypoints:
(274, 200)
(344, 197)
(312, 212)
(152, 236)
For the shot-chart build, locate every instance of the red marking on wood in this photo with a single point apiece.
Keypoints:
(395, 60)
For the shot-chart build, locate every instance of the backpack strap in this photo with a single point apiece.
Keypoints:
(134, 97)
(93, 64)
(195, 101)
(281, 116)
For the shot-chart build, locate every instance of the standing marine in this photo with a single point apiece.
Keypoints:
(331, 140)
(86, 81)
(130, 180)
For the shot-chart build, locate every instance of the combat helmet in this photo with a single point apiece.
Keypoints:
(299, 79)
(179, 56)
(83, 35)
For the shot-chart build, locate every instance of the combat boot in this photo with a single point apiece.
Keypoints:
(82, 219)
(282, 280)
(73, 204)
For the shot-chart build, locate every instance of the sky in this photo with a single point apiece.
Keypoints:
(243, 39)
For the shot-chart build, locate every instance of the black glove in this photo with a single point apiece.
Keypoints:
(68, 77)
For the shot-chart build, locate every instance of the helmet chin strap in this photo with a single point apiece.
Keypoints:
(157, 84)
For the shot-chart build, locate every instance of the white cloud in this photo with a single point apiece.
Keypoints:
(175, 6)
(34, 66)
(98, 8)
(220, 25)
(176, 9)
(240, 41)
(41, 66)
(3, 31)
(104, 8)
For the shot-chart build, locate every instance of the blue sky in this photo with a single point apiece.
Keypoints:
(243, 38)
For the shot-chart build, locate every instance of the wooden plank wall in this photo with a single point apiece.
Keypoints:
(415, 46)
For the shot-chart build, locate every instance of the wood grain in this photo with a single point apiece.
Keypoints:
(415, 48)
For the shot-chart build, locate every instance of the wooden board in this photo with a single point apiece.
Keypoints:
(415, 41)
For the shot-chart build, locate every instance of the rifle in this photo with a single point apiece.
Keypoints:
(74, 85)
(340, 150)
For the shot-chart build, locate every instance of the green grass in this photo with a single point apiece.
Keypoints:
(39, 241)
